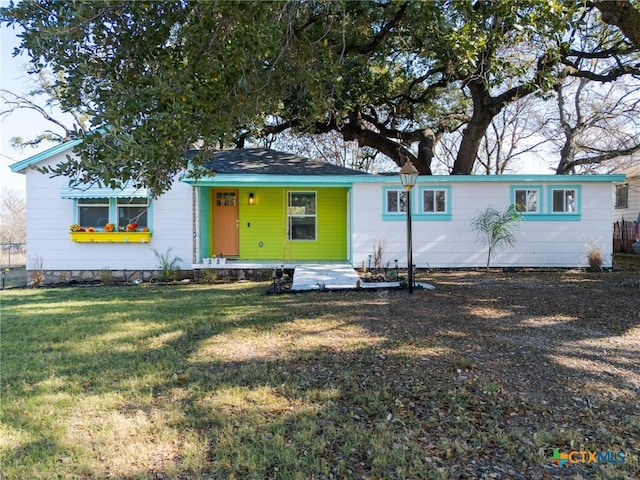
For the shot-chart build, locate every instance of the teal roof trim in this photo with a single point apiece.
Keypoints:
(39, 157)
(231, 180)
(345, 180)
(524, 178)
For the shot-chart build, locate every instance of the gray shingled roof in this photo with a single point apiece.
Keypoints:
(264, 161)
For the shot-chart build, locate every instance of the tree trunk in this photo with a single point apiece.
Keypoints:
(471, 138)
(485, 108)
(567, 155)
(623, 15)
(426, 148)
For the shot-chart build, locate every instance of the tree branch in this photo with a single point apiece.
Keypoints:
(604, 157)
(384, 31)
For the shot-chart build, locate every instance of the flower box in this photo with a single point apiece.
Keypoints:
(111, 237)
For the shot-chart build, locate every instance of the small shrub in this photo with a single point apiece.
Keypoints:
(595, 255)
(105, 276)
(209, 275)
(379, 246)
(168, 265)
(36, 271)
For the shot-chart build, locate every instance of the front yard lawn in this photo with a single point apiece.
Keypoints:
(485, 377)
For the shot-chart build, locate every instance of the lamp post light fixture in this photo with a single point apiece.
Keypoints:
(408, 177)
(252, 199)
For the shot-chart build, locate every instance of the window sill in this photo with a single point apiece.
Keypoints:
(110, 237)
(551, 217)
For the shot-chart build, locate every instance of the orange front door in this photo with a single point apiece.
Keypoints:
(225, 223)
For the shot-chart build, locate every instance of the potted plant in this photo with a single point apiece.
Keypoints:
(110, 234)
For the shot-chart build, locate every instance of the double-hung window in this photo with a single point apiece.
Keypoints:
(133, 210)
(622, 195)
(302, 216)
(434, 200)
(434, 203)
(427, 203)
(396, 201)
(93, 212)
(564, 200)
(547, 203)
(526, 200)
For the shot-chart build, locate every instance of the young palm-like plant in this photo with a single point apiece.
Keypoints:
(497, 228)
(167, 264)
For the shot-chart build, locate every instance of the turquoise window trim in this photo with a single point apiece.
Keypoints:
(539, 215)
(434, 216)
(400, 216)
(150, 215)
(562, 216)
(552, 217)
(113, 212)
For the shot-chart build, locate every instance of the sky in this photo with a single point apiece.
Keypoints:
(13, 77)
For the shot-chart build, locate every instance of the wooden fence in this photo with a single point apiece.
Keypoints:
(624, 234)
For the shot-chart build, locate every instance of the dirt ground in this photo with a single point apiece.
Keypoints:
(556, 353)
(588, 323)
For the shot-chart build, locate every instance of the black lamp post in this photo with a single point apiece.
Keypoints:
(408, 177)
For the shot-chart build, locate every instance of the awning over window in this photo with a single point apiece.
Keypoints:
(103, 192)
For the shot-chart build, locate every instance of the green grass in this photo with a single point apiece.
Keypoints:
(227, 382)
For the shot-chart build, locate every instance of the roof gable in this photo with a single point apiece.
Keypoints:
(22, 165)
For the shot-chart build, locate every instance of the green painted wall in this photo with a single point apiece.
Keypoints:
(266, 223)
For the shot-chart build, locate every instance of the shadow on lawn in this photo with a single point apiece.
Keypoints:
(483, 376)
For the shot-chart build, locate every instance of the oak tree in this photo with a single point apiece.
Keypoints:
(158, 77)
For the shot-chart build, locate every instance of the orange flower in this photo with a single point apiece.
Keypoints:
(108, 227)
(132, 227)
(91, 229)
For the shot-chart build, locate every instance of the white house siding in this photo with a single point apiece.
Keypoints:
(453, 243)
(49, 217)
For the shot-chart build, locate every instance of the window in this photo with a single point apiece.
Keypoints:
(132, 210)
(93, 212)
(622, 195)
(226, 199)
(434, 201)
(302, 215)
(121, 211)
(396, 201)
(527, 200)
(564, 201)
